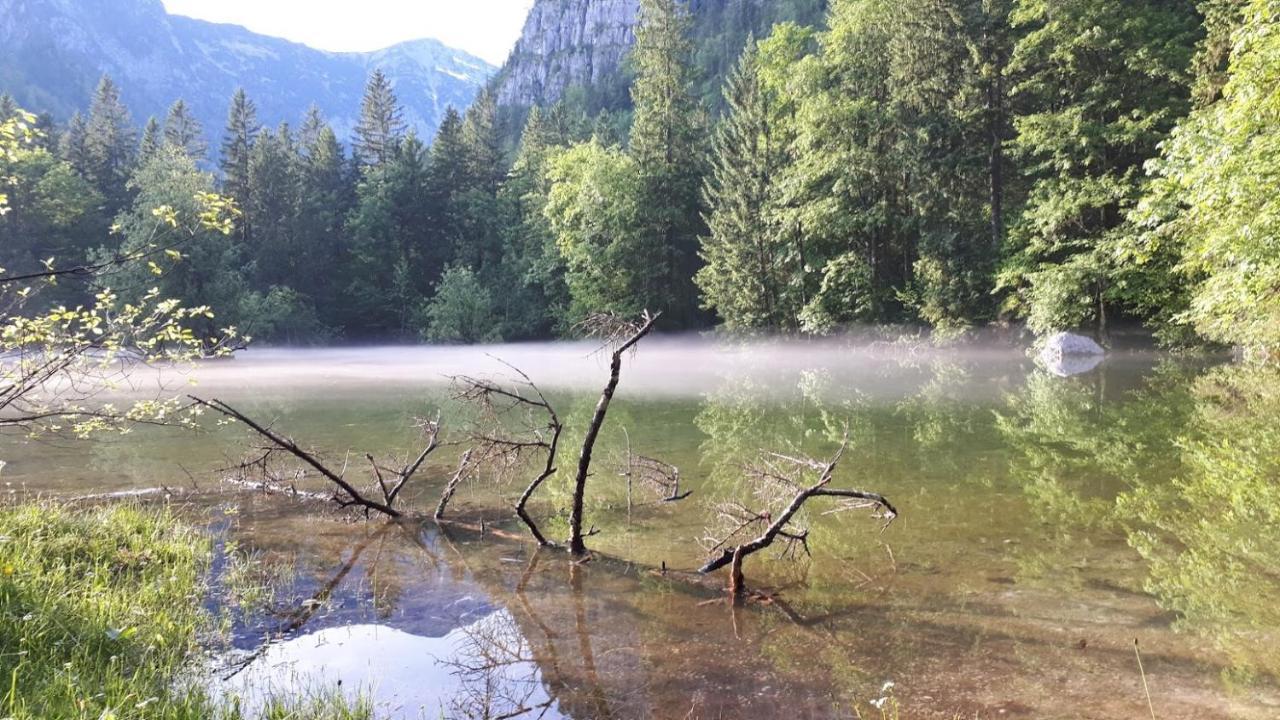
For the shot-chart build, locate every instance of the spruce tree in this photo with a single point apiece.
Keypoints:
(313, 124)
(483, 216)
(324, 198)
(183, 131)
(271, 209)
(532, 271)
(152, 140)
(111, 145)
(395, 254)
(237, 143)
(744, 277)
(237, 146)
(485, 162)
(381, 126)
(74, 145)
(945, 107)
(448, 181)
(666, 146)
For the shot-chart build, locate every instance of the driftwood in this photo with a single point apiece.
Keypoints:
(776, 478)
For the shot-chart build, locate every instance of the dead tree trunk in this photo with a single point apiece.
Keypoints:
(627, 335)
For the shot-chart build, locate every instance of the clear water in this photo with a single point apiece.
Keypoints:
(1047, 524)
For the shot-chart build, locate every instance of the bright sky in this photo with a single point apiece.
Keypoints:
(485, 28)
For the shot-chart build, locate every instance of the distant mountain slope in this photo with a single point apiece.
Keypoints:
(584, 43)
(52, 53)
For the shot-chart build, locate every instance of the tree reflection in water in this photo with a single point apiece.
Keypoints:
(1039, 512)
(1187, 469)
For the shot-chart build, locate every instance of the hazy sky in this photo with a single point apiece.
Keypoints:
(486, 28)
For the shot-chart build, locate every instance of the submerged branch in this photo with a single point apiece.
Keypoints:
(780, 525)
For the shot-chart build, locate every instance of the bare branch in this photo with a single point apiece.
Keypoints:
(464, 469)
(769, 480)
(495, 443)
(354, 497)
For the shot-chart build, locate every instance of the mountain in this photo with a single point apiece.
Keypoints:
(52, 53)
(584, 44)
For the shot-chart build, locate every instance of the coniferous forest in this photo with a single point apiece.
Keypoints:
(941, 163)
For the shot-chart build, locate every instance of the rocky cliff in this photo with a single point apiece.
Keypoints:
(584, 43)
(566, 43)
(52, 53)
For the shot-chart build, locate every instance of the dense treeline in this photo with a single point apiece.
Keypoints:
(941, 162)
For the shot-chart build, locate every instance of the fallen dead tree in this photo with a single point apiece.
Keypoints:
(390, 482)
(496, 444)
(782, 486)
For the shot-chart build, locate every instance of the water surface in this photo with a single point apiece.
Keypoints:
(1047, 523)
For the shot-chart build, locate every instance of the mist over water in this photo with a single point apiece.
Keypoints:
(663, 365)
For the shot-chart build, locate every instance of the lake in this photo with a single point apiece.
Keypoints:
(1066, 545)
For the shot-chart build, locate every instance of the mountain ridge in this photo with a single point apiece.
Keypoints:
(52, 53)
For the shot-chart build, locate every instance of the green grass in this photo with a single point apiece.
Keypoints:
(102, 616)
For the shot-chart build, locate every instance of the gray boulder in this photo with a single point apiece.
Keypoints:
(1065, 354)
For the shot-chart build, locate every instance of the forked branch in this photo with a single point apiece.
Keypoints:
(498, 444)
(775, 478)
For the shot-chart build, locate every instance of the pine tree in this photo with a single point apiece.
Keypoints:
(8, 108)
(110, 144)
(152, 140)
(325, 199)
(237, 144)
(946, 107)
(665, 144)
(313, 124)
(482, 215)
(448, 181)
(485, 162)
(532, 269)
(381, 126)
(183, 131)
(396, 255)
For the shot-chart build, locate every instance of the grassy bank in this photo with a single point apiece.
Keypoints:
(102, 615)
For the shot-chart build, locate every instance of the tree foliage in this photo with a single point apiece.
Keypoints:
(1214, 204)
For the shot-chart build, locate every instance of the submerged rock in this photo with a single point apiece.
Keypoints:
(1065, 354)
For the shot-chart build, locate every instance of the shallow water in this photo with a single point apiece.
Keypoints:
(1047, 523)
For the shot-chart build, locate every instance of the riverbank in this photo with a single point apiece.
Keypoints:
(103, 616)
